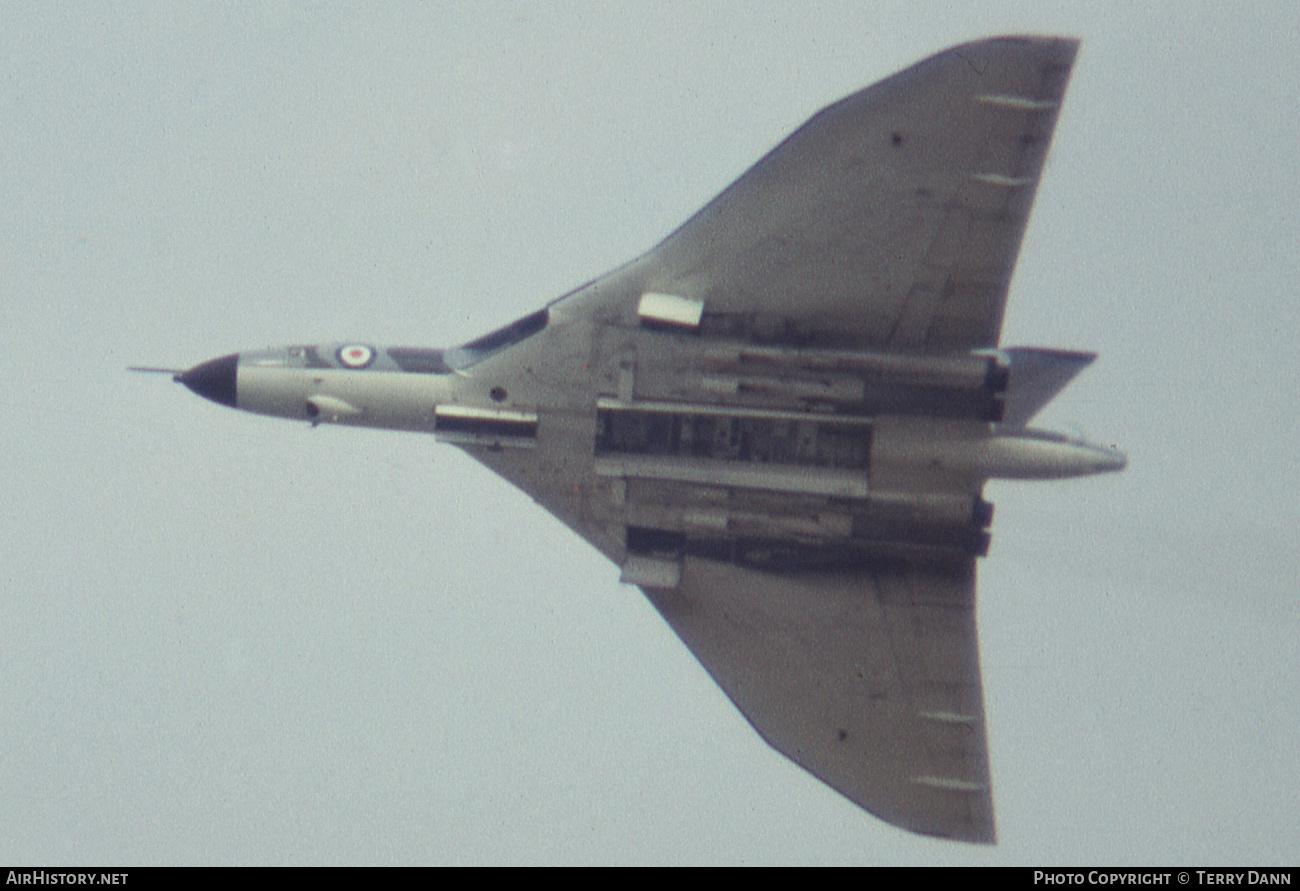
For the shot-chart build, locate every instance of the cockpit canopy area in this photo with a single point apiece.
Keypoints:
(351, 357)
(410, 360)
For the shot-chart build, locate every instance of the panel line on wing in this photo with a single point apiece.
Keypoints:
(1002, 180)
(949, 784)
(1017, 103)
(949, 718)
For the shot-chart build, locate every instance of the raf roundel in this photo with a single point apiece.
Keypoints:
(356, 355)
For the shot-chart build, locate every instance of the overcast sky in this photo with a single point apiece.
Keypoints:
(230, 639)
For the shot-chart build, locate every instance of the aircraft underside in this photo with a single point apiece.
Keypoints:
(778, 422)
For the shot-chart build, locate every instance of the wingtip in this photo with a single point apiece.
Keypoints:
(1059, 48)
(1062, 39)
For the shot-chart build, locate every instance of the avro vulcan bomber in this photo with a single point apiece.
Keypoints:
(779, 421)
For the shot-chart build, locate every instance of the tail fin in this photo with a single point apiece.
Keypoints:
(1036, 376)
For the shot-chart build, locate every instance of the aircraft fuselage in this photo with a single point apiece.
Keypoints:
(821, 449)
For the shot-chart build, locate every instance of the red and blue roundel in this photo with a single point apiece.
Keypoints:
(355, 355)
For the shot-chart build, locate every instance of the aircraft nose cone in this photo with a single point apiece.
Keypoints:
(1112, 460)
(214, 379)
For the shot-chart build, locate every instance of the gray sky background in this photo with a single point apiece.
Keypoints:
(230, 639)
